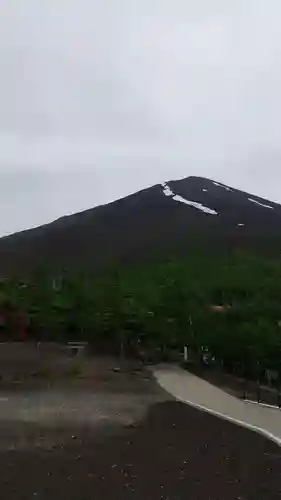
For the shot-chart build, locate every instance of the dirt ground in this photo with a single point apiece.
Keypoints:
(174, 452)
(115, 435)
(112, 394)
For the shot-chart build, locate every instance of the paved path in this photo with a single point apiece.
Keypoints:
(193, 390)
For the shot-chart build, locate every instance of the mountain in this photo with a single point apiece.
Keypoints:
(158, 222)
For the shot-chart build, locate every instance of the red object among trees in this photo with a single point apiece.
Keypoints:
(13, 322)
(220, 308)
(20, 323)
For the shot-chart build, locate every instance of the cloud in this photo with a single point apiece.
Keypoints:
(138, 90)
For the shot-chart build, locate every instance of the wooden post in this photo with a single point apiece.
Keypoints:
(258, 383)
(185, 353)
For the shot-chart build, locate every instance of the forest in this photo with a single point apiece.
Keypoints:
(227, 304)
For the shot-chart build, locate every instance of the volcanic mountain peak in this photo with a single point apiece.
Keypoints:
(169, 192)
(211, 194)
(165, 219)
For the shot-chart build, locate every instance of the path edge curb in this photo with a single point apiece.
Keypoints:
(241, 423)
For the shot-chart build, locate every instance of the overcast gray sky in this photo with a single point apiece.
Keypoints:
(100, 98)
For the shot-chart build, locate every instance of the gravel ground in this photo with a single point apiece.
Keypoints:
(173, 453)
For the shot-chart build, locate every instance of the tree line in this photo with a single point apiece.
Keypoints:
(159, 305)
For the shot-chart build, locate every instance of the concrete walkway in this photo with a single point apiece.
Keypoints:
(195, 391)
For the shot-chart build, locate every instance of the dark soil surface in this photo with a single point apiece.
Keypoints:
(174, 453)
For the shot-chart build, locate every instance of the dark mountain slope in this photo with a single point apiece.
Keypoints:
(156, 222)
(233, 206)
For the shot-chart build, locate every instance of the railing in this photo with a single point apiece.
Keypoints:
(77, 348)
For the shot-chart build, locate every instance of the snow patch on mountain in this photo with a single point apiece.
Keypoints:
(222, 186)
(260, 204)
(167, 191)
(195, 204)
